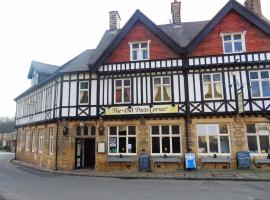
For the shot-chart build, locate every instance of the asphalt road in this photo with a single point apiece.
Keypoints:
(20, 183)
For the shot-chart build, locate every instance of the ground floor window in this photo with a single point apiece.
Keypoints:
(27, 138)
(40, 140)
(122, 140)
(33, 141)
(165, 139)
(213, 139)
(258, 137)
(51, 141)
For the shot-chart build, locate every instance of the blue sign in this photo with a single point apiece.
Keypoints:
(190, 161)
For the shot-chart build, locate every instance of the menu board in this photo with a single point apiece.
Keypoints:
(243, 160)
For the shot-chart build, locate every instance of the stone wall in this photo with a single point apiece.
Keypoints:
(66, 143)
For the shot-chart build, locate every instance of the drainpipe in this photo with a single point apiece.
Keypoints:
(187, 113)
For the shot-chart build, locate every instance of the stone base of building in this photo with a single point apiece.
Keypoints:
(89, 144)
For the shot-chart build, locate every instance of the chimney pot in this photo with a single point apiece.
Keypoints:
(254, 6)
(176, 12)
(114, 20)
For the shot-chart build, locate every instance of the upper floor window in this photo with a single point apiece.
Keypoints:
(139, 51)
(258, 136)
(260, 83)
(122, 91)
(162, 89)
(212, 86)
(233, 43)
(84, 92)
(213, 138)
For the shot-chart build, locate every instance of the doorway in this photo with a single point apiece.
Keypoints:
(85, 153)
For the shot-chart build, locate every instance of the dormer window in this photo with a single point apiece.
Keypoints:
(139, 50)
(233, 42)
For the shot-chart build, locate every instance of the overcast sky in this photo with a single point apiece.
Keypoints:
(55, 31)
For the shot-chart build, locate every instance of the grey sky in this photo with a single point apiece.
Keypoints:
(55, 31)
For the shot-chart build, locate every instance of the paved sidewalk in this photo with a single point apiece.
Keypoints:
(202, 174)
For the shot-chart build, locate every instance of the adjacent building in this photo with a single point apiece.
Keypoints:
(163, 90)
(7, 135)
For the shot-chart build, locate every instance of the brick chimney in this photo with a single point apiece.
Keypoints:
(254, 6)
(176, 12)
(114, 20)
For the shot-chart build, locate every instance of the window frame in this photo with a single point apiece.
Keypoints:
(243, 41)
(83, 90)
(170, 135)
(51, 138)
(27, 138)
(212, 82)
(122, 87)
(140, 50)
(259, 79)
(162, 85)
(122, 136)
(208, 141)
(33, 145)
(258, 138)
(41, 140)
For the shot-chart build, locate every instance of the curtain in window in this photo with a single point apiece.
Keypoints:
(84, 97)
(207, 91)
(118, 95)
(217, 90)
(166, 93)
(157, 93)
(127, 95)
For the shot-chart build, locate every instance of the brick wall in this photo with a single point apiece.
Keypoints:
(256, 40)
(158, 50)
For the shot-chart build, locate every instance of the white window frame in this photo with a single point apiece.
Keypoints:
(83, 90)
(243, 41)
(51, 137)
(162, 85)
(122, 136)
(40, 140)
(122, 87)
(48, 98)
(260, 82)
(257, 134)
(140, 50)
(26, 147)
(170, 136)
(212, 82)
(33, 142)
(217, 135)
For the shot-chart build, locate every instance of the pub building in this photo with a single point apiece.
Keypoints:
(162, 90)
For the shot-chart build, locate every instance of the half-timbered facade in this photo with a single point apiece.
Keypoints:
(163, 90)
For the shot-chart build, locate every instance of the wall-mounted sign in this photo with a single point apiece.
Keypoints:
(136, 110)
(101, 147)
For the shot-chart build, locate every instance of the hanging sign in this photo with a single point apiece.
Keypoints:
(135, 110)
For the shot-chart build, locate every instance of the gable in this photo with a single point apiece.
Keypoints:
(255, 38)
(139, 32)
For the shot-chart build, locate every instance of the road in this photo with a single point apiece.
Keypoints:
(20, 183)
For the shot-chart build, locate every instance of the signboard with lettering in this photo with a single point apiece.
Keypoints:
(243, 160)
(155, 109)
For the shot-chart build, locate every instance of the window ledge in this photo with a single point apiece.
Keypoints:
(124, 158)
(168, 159)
